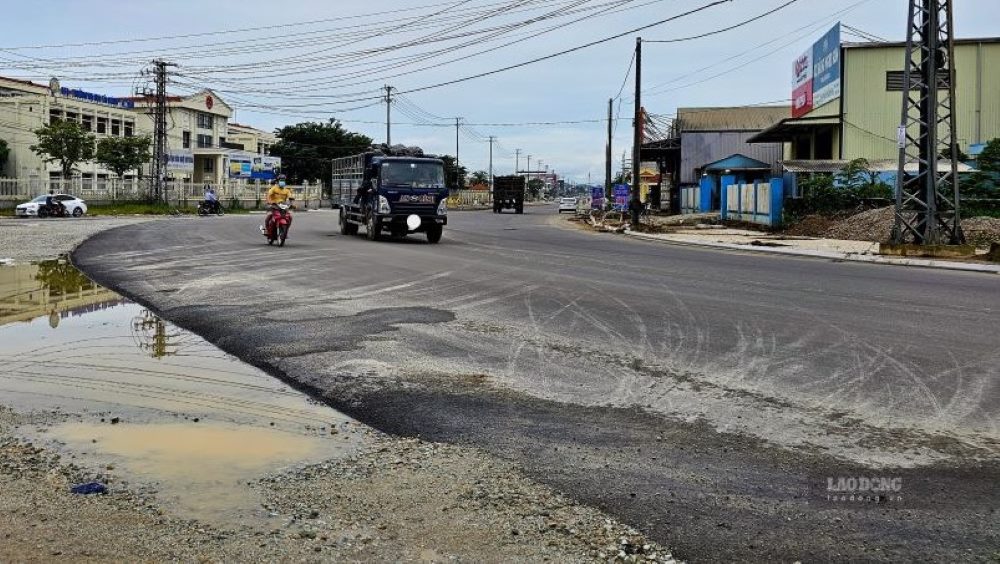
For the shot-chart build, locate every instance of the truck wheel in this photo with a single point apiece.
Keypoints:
(374, 227)
(520, 209)
(434, 233)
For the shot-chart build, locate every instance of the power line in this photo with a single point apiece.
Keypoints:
(725, 29)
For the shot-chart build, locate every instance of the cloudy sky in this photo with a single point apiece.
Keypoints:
(299, 60)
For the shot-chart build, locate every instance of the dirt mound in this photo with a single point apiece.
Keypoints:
(876, 225)
(871, 225)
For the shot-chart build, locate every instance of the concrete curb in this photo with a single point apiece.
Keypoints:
(849, 257)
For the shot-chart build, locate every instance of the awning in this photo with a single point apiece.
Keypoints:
(878, 165)
(736, 162)
(789, 129)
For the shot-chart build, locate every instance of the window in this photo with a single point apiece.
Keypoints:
(129, 129)
(205, 121)
(55, 115)
(222, 141)
(209, 165)
(204, 141)
(88, 123)
(102, 125)
(824, 145)
(70, 116)
(116, 127)
(186, 139)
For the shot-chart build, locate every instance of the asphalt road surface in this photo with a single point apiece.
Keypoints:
(718, 400)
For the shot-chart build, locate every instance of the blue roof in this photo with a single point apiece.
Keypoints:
(736, 162)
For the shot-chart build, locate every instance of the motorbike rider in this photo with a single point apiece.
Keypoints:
(279, 193)
(211, 199)
(54, 206)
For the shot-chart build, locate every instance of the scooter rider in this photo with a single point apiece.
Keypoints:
(211, 199)
(53, 204)
(279, 193)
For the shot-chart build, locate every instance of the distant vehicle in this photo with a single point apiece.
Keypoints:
(567, 204)
(508, 193)
(36, 208)
(395, 189)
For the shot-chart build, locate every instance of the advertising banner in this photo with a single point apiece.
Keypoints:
(180, 161)
(621, 195)
(597, 197)
(802, 85)
(826, 68)
(265, 168)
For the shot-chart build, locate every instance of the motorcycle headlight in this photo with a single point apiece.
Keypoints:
(443, 207)
(383, 205)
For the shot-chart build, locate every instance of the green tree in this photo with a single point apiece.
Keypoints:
(452, 180)
(122, 154)
(4, 153)
(479, 177)
(535, 186)
(64, 142)
(989, 159)
(307, 148)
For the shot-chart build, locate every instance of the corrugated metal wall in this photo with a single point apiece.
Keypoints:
(699, 148)
(871, 114)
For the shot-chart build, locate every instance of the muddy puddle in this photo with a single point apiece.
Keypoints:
(113, 386)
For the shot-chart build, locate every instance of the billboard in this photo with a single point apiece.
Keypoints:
(826, 68)
(802, 85)
(816, 74)
(257, 167)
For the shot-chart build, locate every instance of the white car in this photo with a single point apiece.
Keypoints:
(74, 206)
(567, 204)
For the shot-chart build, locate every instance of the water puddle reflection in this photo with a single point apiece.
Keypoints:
(157, 402)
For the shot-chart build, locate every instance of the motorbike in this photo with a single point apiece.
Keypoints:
(54, 210)
(277, 228)
(209, 208)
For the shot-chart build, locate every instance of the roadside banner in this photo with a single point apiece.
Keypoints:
(802, 85)
(180, 161)
(597, 197)
(621, 194)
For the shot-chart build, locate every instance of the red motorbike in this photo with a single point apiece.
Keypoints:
(275, 228)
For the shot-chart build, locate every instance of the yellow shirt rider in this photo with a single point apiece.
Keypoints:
(279, 193)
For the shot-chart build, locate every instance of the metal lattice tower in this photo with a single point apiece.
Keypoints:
(927, 202)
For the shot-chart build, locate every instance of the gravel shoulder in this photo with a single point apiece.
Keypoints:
(26, 240)
(394, 499)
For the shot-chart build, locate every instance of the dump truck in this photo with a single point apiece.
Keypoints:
(508, 193)
(396, 190)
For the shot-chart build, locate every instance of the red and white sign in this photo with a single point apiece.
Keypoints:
(802, 85)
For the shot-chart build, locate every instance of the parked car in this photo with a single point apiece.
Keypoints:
(36, 208)
(567, 204)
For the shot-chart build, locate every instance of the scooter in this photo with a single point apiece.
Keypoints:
(208, 208)
(277, 228)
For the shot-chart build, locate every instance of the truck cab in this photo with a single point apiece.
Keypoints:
(398, 194)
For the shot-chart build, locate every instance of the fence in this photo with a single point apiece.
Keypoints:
(470, 198)
(754, 203)
(182, 194)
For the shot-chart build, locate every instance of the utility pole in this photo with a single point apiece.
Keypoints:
(527, 171)
(458, 172)
(607, 156)
(160, 128)
(388, 115)
(927, 203)
(637, 133)
(492, 139)
(517, 161)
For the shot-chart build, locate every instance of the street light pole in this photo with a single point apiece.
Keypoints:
(637, 134)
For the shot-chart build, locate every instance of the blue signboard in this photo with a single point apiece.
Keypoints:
(98, 98)
(826, 67)
(597, 197)
(621, 193)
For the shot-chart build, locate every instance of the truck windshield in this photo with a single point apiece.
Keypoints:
(413, 175)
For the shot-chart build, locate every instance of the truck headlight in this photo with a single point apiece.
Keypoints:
(443, 207)
(383, 205)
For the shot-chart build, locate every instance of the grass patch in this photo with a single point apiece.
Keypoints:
(143, 208)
